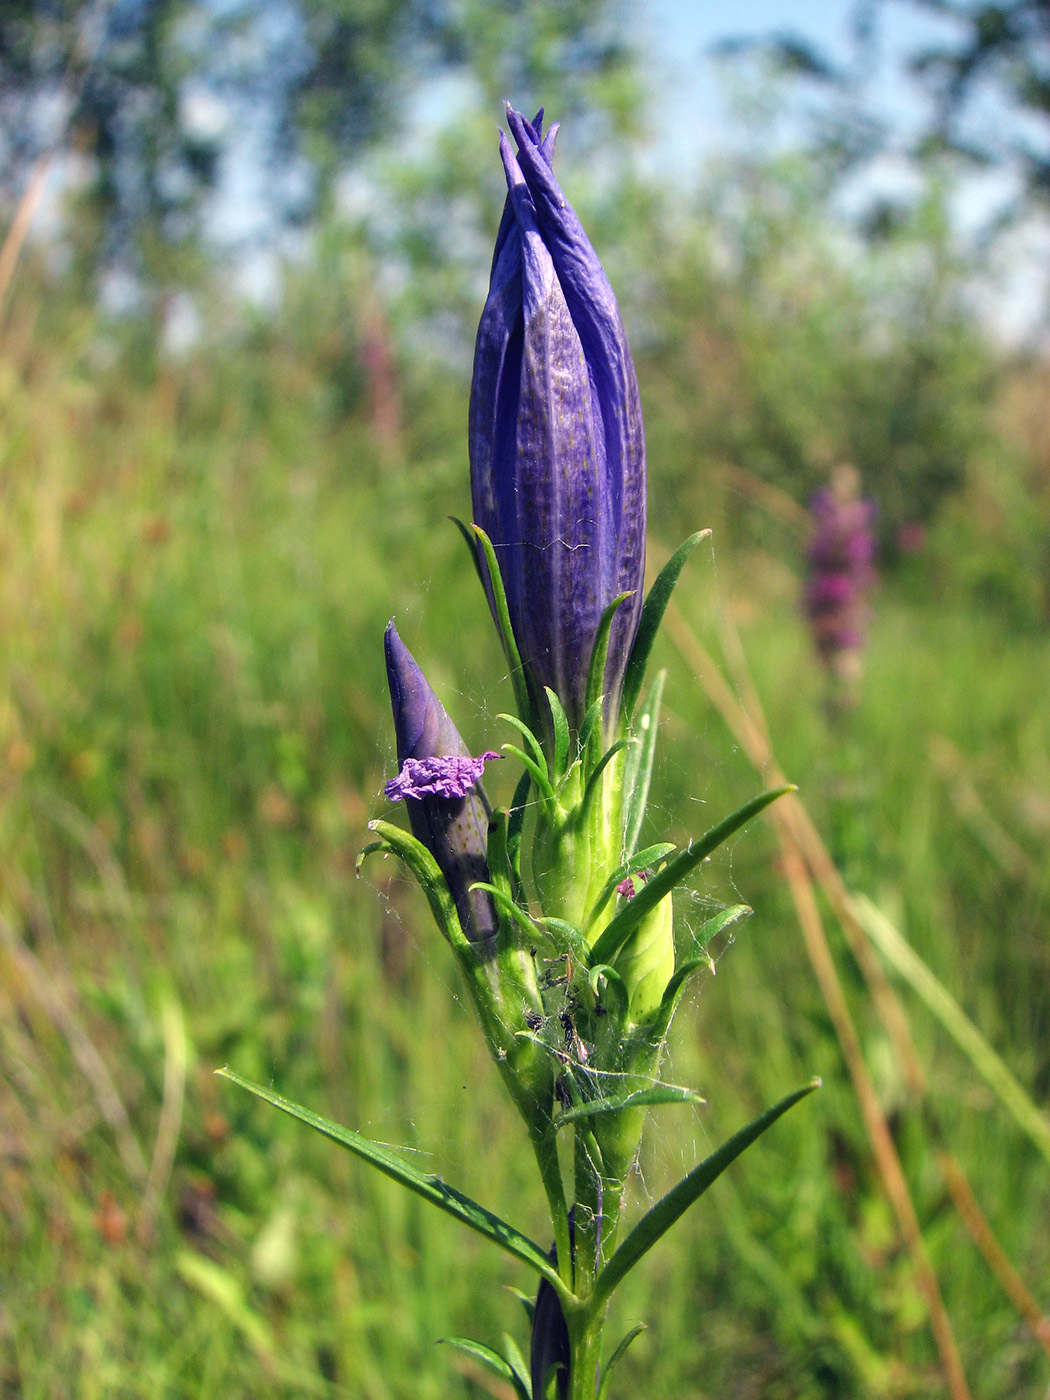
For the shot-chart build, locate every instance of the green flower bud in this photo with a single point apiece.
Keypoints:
(646, 961)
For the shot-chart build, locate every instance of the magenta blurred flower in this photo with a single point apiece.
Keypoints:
(841, 569)
(557, 450)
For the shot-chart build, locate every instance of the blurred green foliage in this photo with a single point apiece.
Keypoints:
(198, 555)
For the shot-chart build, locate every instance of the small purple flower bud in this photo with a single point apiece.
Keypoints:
(438, 776)
(557, 449)
(627, 889)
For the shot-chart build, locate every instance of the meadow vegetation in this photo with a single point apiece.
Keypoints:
(198, 556)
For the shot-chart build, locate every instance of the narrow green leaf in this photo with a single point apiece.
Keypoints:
(539, 775)
(641, 1098)
(652, 615)
(675, 871)
(526, 1301)
(657, 1221)
(590, 722)
(489, 1359)
(533, 743)
(470, 540)
(517, 1364)
(617, 1357)
(520, 916)
(425, 868)
(506, 631)
(600, 650)
(644, 860)
(722, 920)
(561, 734)
(638, 770)
(614, 983)
(431, 1188)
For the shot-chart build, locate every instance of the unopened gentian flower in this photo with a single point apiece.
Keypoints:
(438, 780)
(840, 572)
(557, 451)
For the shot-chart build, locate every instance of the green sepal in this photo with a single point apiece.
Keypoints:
(590, 722)
(491, 1360)
(539, 775)
(675, 871)
(431, 1188)
(657, 1221)
(617, 1357)
(641, 1098)
(600, 651)
(506, 631)
(533, 743)
(652, 615)
(425, 868)
(651, 856)
(561, 734)
(638, 770)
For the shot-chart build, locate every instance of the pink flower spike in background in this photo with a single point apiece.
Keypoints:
(449, 777)
(841, 571)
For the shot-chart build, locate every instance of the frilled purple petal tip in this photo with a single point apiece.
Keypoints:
(437, 777)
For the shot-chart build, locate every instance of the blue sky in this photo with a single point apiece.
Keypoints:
(688, 110)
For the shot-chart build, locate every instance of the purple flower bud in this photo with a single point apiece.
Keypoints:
(557, 450)
(438, 776)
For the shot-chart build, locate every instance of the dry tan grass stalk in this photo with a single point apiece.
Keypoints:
(801, 846)
(16, 234)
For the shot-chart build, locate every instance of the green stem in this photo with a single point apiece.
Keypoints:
(585, 1341)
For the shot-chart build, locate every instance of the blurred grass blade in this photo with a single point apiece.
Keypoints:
(671, 1207)
(641, 1098)
(988, 1063)
(675, 871)
(491, 1360)
(220, 1287)
(431, 1188)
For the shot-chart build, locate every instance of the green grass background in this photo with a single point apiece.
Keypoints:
(197, 560)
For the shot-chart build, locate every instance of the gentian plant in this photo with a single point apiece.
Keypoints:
(560, 919)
